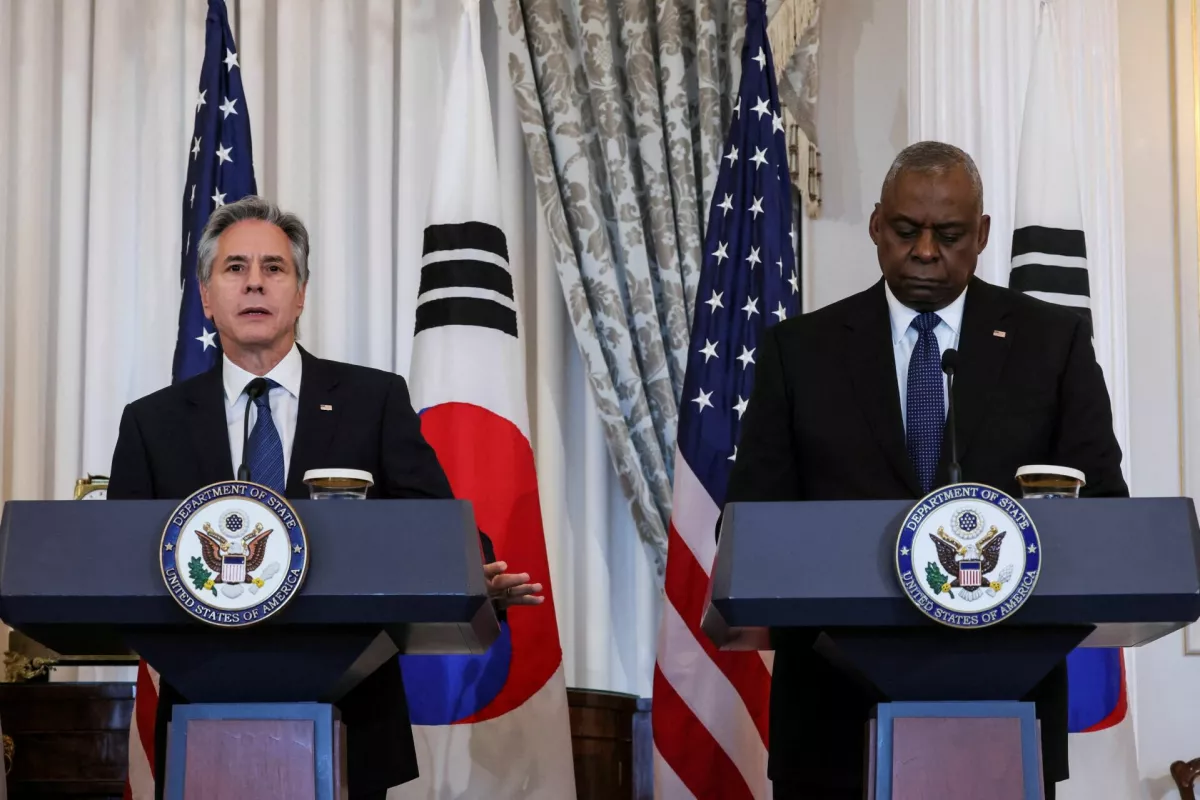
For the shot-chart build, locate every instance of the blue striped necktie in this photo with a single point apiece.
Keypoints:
(925, 407)
(265, 456)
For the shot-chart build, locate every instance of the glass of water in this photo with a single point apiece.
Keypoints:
(338, 484)
(1048, 480)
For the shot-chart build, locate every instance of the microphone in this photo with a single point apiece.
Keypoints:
(254, 390)
(949, 365)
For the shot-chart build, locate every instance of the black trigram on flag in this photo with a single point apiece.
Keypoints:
(465, 278)
(1051, 263)
(1049, 252)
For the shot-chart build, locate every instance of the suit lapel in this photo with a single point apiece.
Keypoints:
(210, 435)
(982, 360)
(316, 421)
(872, 364)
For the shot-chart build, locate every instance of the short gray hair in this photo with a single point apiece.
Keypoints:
(251, 207)
(936, 158)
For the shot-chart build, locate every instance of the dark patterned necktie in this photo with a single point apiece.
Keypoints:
(926, 404)
(265, 456)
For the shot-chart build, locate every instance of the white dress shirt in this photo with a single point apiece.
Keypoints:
(284, 399)
(904, 338)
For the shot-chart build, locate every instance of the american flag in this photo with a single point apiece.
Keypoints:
(220, 170)
(711, 707)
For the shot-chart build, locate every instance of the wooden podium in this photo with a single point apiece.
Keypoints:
(1116, 573)
(385, 577)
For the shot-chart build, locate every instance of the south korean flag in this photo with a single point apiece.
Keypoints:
(1049, 253)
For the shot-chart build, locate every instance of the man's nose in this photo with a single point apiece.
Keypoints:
(926, 248)
(254, 277)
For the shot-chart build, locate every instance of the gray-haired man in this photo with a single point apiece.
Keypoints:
(252, 265)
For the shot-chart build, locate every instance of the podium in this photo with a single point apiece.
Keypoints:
(385, 577)
(1115, 572)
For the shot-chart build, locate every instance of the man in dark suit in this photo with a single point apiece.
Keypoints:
(849, 403)
(252, 264)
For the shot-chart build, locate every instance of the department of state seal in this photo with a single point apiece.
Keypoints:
(234, 554)
(968, 555)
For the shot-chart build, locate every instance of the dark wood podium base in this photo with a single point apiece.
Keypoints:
(268, 751)
(989, 750)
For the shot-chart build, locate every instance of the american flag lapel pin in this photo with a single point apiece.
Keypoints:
(326, 407)
(999, 334)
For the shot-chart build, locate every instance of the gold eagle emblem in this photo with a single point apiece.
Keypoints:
(220, 554)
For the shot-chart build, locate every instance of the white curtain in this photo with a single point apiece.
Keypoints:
(96, 105)
(968, 65)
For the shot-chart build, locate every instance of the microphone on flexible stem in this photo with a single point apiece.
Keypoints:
(254, 390)
(949, 365)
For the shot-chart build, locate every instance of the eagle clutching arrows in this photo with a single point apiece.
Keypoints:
(977, 560)
(233, 561)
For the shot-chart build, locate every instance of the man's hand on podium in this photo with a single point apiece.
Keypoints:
(511, 590)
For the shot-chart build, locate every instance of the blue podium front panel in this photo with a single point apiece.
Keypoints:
(1127, 569)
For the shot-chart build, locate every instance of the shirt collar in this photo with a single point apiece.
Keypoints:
(902, 316)
(286, 373)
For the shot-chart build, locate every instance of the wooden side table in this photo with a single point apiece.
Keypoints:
(612, 743)
(68, 739)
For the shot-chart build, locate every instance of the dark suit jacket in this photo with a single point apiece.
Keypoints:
(824, 423)
(175, 441)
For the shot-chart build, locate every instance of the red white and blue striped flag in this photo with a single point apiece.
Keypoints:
(710, 707)
(220, 170)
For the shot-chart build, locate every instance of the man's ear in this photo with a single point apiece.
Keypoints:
(204, 300)
(875, 227)
(985, 230)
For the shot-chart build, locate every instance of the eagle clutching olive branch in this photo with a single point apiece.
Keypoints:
(986, 558)
(233, 567)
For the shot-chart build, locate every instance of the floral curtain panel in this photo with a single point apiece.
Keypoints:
(624, 106)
